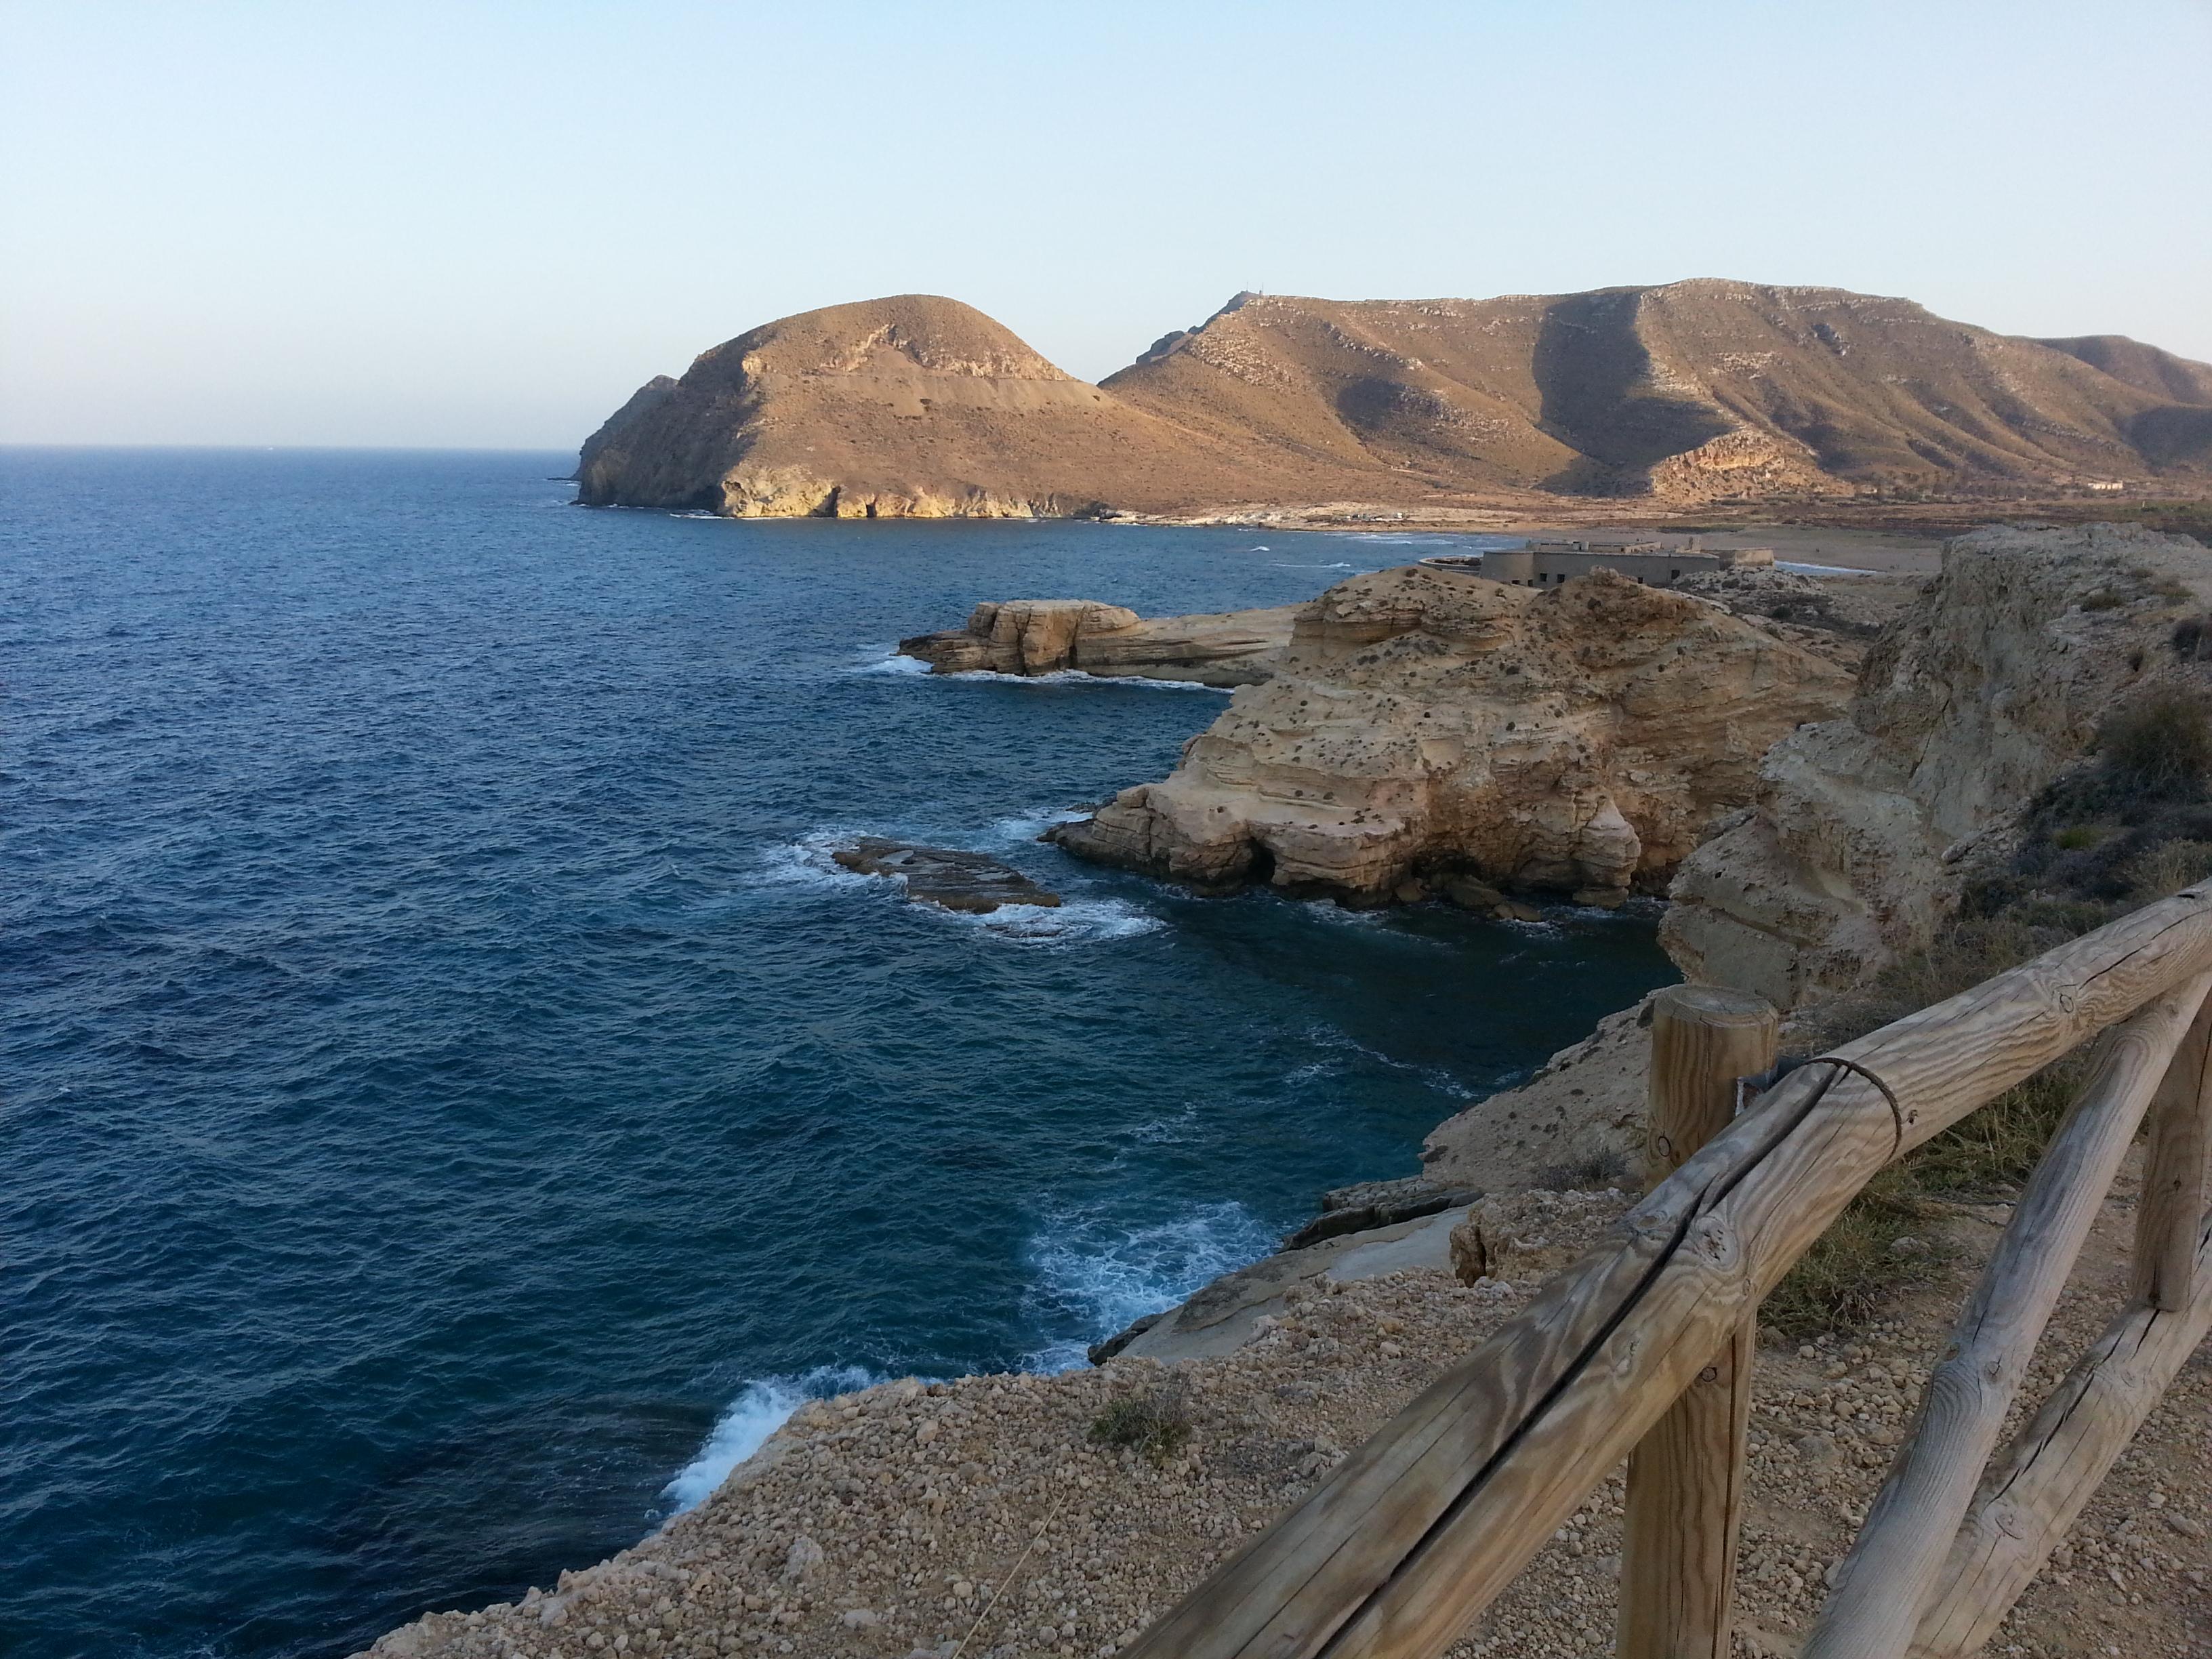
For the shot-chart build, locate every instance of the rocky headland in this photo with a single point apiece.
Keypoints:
(1050, 636)
(2009, 755)
(1683, 396)
(1425, 724)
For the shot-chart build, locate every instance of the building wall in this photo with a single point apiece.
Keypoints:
(1541, 568)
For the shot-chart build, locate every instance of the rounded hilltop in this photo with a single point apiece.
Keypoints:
(1684, 394)
(914, 406)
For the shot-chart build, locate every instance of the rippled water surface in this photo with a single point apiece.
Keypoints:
(454, 1106)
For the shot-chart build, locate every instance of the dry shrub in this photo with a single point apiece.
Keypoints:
(1856, 1269)
(1156, 1423)
(1595, 1172)
(2165, 870)
(2159, 746)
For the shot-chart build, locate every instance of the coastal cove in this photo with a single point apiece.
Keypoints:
(458, 1102)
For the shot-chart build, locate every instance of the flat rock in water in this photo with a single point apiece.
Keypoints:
(942, 876)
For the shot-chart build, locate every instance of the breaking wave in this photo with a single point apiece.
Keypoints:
(761, 1408)
(1096, 1272)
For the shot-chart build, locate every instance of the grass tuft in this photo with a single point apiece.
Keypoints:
(1156, 1424)
(1594, 1173)
(1877, 1247)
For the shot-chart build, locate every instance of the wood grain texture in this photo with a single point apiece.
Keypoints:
(2034, 1491)
(1685, 1476)
(2177, 1165)
(1892, 1570)
(1416, 1531)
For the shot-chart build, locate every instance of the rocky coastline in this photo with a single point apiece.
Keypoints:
(993, 1515)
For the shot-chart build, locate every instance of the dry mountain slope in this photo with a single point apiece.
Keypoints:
(914, 406)
(1690, 391)
(920, 406)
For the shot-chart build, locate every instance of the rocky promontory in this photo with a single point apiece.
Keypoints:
(1865, 828)
(1047, 636)
(1425, 723)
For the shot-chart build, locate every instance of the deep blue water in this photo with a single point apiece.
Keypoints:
(447, 1095)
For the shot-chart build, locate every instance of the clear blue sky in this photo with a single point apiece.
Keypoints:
(475, 223)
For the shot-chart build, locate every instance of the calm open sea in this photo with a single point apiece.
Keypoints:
(452, 1106)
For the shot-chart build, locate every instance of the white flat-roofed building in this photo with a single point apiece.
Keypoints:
(1654, 563)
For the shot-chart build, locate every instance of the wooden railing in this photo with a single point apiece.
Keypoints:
(1644, 1348)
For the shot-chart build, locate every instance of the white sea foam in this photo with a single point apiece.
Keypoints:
(808, 862)
(884, 659)
(758, 1412)
(1099, 1272)
(1024, 827)
(1327, 1036)
(1075, 677)
(1074, 921)
(1341, 564)
(1477, 543)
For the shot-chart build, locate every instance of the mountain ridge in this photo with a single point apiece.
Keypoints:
(1682, 393)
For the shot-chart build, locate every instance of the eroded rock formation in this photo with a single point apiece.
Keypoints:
(1045, 636)
(1863, 827)
(1425, 722)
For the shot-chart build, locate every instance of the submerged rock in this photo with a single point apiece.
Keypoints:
(943, 876)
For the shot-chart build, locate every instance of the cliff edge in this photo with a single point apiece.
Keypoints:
(1425, 722)
(1863, 830)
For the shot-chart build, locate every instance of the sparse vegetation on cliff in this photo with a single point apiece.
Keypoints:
(2128, 827)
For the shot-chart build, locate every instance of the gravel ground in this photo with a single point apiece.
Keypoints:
(979, 1515)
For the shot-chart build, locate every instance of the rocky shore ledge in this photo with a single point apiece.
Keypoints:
(1050, 636)
(1052, 1517)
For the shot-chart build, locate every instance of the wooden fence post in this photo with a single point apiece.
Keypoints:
(1685, 1476)
(2170, 1214)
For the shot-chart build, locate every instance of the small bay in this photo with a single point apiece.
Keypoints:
(453, 1103)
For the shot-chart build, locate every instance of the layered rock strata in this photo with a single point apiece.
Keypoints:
(1425, 722)
(1863, 829)
(1045, 636)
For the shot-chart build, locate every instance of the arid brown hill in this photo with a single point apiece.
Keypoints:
(1687, 392)
(910, 407)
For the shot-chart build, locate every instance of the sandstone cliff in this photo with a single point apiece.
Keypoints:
(1686, 394)
(1863, 827)
(1045, 636)
(1425, 721)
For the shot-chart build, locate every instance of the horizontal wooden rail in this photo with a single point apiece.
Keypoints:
(1415, 1533)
